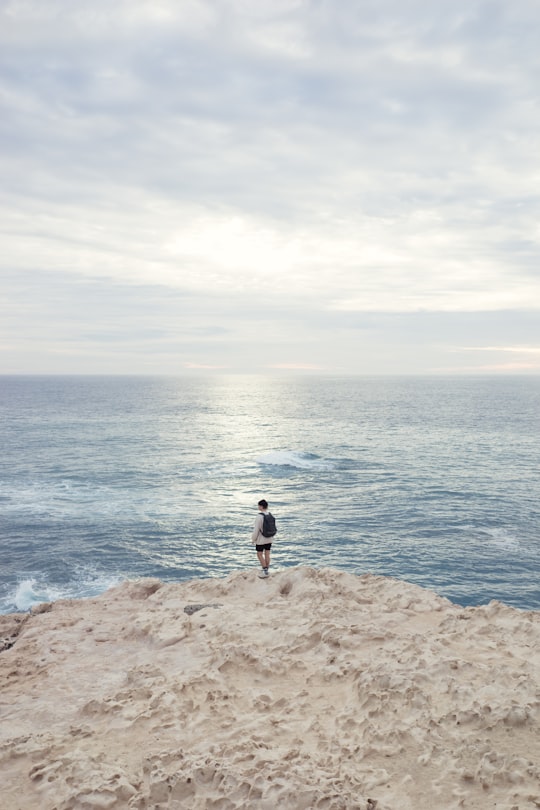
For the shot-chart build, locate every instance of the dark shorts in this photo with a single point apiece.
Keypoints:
(264, 547)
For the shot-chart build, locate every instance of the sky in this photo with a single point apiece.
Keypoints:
(270, 186)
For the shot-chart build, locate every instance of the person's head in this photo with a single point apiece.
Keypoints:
(263, 504)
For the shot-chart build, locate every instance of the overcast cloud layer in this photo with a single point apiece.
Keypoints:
(250, 185)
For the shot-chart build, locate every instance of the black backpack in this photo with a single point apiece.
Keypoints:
(269, 525)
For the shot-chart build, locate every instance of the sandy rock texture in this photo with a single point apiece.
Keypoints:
(312, 689)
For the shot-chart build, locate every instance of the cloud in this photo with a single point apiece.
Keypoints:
(204, 367)
(297, 366)
(267, 173)
(513, 349)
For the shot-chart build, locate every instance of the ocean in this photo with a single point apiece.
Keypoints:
(430, 480)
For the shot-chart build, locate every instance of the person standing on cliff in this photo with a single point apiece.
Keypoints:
(262, 536)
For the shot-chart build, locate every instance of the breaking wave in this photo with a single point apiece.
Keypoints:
(293, 458)
(31, 592)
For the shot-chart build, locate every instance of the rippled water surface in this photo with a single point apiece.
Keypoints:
(434, 481)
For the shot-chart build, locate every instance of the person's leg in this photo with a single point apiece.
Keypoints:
(261, 556)
(267, 558)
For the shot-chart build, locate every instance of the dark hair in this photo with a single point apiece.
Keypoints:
(263, 503)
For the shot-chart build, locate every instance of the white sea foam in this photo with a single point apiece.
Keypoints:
(502, 538)
(293, 458)
(29, 592)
